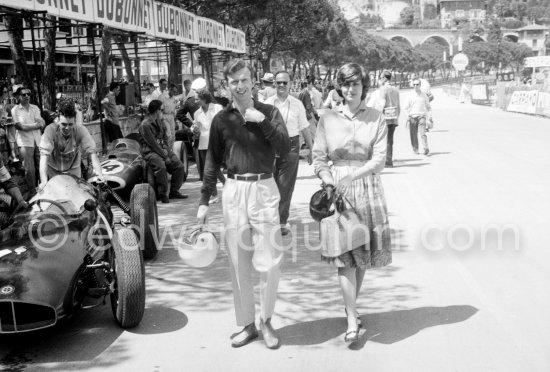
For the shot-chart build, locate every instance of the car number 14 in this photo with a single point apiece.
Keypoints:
(111, 166)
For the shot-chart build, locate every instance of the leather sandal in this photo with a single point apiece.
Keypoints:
(243, 337)
(352, 336)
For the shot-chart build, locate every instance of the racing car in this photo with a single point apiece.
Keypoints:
(64, 251)
(124, 167)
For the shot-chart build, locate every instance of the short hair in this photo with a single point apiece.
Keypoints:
(67, 107)
(151, 85)
(235, 65)
(19, 89)
(187, 82)
(162, 81)
(281, 72)
(353, 72)
(303, 84)
(387, 74)
(172, 86)
(154, 106)
(205, 95)
(113, 85)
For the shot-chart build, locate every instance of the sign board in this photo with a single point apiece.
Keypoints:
(524, 101)
(506, 76)
(489, 79)
(460, 61)
(540, 61)
(543, 103)
(479, 92)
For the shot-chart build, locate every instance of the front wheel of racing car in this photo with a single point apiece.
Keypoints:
(180, 150)
(143, 212)
(128, 292)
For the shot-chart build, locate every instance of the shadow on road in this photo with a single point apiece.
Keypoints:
(160, 319)
(439, 153)
(386, 327)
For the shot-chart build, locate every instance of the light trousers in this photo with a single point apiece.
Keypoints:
(253, 240)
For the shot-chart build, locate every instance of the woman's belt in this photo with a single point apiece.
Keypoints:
(350, 163)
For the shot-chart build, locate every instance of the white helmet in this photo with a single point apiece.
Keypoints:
(199, 249)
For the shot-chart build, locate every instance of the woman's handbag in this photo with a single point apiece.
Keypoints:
(342, 232)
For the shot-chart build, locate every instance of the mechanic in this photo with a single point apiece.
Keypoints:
(61, 143)
(191, 104)
(9, 185)
(158, 155)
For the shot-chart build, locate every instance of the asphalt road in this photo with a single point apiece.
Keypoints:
(467, 290)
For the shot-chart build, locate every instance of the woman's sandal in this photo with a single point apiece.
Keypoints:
(352, 336)
(359, 322)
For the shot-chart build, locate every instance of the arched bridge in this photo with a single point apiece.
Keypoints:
(447, 37)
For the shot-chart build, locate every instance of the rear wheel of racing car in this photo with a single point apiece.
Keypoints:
(180, 150)
(128, 295)
(5, 203)
(143, 212)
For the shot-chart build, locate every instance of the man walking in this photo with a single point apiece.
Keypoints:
(28, 123)
(389, 104)
(247, 134)
(418, 110)
(286, 167)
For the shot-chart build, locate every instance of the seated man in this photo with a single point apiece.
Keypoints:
(9, 185)
(61, 143)
(159, 157)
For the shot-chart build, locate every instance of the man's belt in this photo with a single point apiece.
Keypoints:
(252, 177)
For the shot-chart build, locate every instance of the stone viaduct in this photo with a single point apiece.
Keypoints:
(447, 37)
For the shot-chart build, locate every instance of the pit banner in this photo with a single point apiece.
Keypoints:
(211, 34)
(152, 17)
(174, 23)
(235, 40)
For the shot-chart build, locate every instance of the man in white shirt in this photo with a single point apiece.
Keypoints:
(28, 123)
(425, 86)
(162, 91)
(149, 92)
(418, 109)
(286, 167)
(316, 96)
(268, 90)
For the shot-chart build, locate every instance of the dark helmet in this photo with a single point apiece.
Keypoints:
(319, 205)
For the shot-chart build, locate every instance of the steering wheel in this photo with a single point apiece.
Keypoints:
(52, 202)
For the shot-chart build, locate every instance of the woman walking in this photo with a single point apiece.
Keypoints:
(203, 120)
(354, 140)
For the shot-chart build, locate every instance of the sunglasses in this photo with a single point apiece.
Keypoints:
(281, 82)
(25, 94)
